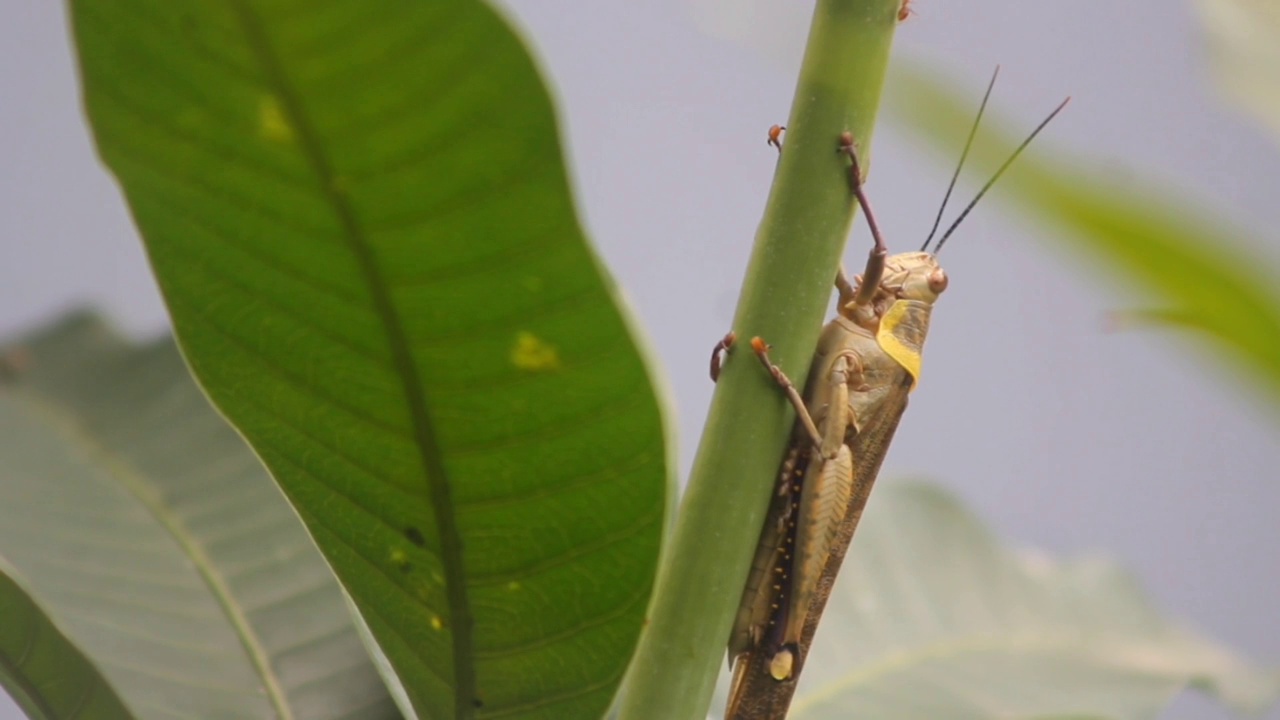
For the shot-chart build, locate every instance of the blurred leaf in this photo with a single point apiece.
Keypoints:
(359, 218)
(933, 619)
(1191, 262)
(45, 673)
(775, 30)
(151, 535)
(1243, 38)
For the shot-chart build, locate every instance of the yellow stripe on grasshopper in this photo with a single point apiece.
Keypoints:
(902, 332)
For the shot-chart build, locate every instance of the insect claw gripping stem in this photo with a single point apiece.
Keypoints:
(761, 349)
(721, 350)
(875, 261)
(775, 136)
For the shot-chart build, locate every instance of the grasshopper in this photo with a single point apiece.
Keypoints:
(867, 361)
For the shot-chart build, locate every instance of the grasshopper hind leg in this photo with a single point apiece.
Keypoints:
(759, 621)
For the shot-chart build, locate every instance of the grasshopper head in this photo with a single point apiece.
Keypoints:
(913, 276)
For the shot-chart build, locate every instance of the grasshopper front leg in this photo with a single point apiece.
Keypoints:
(761, 349)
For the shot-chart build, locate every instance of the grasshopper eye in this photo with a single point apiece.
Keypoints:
(937, 281)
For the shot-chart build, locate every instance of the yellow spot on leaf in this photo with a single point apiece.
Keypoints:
(398, 557)
(534, 354)
(513, 586)
(272, 124)
(437, 623)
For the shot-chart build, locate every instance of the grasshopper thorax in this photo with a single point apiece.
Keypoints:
(898, 314)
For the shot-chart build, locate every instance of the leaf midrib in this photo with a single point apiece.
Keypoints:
(423, 430)
(136, 485)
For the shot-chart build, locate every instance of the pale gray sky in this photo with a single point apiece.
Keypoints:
(1058, 434)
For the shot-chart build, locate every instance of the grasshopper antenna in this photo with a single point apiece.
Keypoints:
(967, 144)
(992, 181)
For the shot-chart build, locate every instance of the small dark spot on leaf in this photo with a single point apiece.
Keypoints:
(414, 535)
(475, 702)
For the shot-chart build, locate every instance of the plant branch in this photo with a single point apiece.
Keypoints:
(784, 298)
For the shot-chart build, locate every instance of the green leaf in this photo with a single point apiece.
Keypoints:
(44, 672)
(1190, 261)
(931, 617)
(1243, 39)
(359, 218)
(149, 533)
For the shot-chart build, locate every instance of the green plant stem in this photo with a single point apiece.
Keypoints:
(784, 298)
